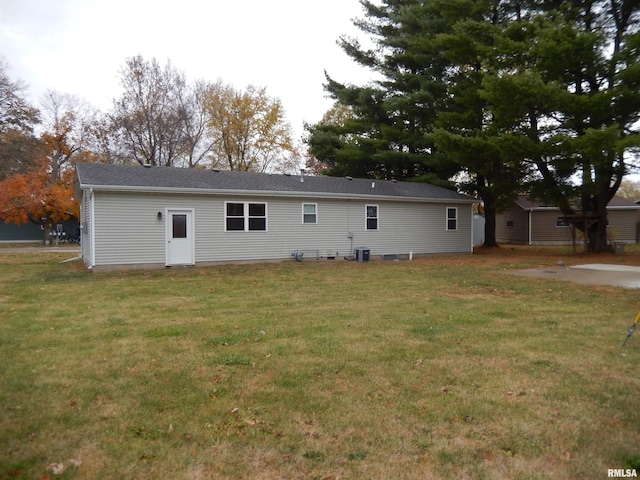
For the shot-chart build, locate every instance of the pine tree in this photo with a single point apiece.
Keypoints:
(516, 95)
(386, 136)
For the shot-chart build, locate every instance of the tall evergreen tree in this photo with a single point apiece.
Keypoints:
(539, 95)
(565, 90)
(386, 136)
(464, 128)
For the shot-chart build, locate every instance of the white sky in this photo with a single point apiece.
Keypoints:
(79, 46)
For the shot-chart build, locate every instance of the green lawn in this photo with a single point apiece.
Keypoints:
(443, 367)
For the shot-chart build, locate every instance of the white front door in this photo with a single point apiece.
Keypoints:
(180, 237)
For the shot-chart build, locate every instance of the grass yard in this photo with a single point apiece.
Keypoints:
(443, 367)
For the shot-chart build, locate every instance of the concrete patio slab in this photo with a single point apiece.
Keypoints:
(625, 276)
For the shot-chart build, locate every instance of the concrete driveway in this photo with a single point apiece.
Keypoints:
(593, 273)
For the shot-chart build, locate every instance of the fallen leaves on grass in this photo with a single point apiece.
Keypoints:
(59, 468)
(56, 468)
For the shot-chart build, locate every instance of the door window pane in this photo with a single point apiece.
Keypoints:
(179, 223)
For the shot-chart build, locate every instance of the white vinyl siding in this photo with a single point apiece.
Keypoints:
(413, 227)
(127, 229)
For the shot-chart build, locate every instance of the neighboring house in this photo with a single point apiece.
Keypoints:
(533, 223)
(138, 216)
(30, 232)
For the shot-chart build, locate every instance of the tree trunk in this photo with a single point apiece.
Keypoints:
(489, 222)
(490, 228)
(47, 234)
(597, 233)
(593, 222)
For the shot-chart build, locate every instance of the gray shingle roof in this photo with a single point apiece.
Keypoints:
(182, 180)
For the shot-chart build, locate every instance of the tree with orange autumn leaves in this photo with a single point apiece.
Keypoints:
(43, 194)
(38, 197)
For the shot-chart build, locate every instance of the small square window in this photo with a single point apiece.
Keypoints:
(510, 223)
(562, 222)
(309, 213)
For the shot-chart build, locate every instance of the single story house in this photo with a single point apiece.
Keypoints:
(145, 217)
(533, 223)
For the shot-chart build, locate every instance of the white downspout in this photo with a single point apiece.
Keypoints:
(92, 228)
(530, 232)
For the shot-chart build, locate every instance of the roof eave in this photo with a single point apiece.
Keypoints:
(267, 193)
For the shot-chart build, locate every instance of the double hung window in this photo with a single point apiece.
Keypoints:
(309, 213)
(452, 218)
(372, 217)
(245, 216)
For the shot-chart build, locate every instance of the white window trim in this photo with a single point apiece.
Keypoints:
(447, 218)
(366, 217)
(246, 216)
(315, 205)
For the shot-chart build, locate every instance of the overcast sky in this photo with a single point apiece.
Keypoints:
(80, 46)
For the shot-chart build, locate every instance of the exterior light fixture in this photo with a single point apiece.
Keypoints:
(159, 215)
